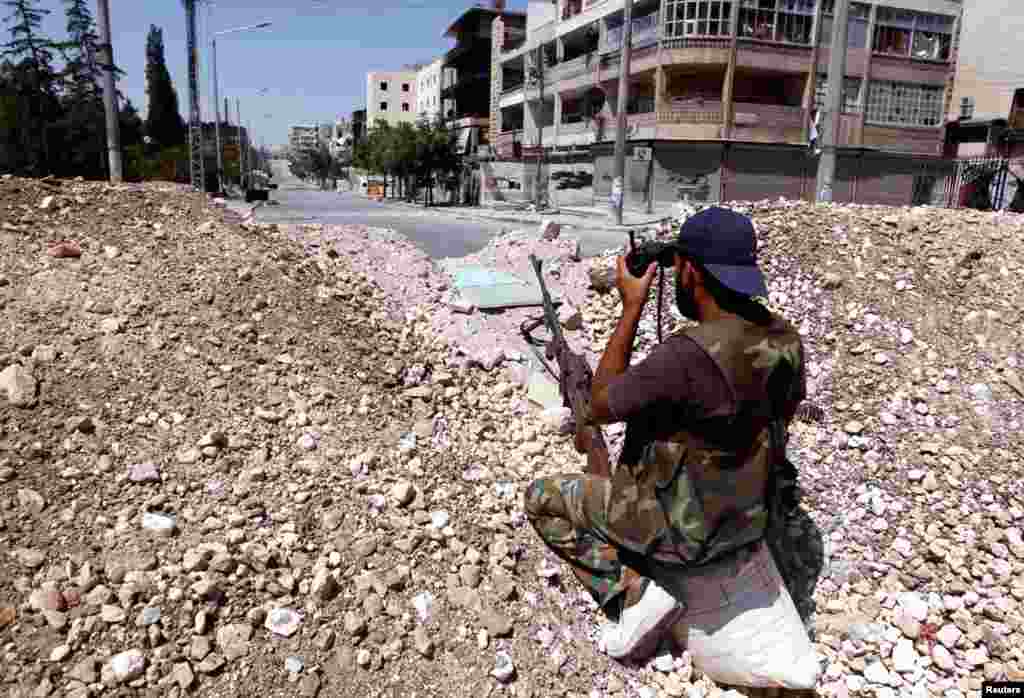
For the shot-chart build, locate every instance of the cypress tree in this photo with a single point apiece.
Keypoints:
(33, 83)
(163, 120)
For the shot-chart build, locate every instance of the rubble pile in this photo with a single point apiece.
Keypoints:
(241, 458)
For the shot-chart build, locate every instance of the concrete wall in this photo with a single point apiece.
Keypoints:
(394, 96)
(989, 66)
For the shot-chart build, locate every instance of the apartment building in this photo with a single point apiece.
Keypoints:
(391, 96)
(304, 137)
(986, 113)
(723, 94)
(429, 104)
(467, 81)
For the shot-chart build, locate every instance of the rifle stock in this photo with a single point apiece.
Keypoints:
(574, 383)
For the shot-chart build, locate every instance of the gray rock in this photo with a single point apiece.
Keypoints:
(84, 671)
(294, 665)
(182, 675)
(200, 647)
(355, 624)
(31, 500)
(144, 472)
(283, 621)
(325, 586)
(504, 668)
(127, 666)
(422, 642)
(497, 624)
(403, 493)
(19, 385)
(233, 640)
(159, 524)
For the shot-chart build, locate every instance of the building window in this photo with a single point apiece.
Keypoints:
(405, 87)
(383, 106)
(851, 94)
(904, 104)
(857, 24)
(914, 34)
(784, 21)
(405, 106)
(697, 18)
(383, 85)
(967, 108)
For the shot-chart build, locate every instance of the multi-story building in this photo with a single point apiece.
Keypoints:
(723, 95)
(466, 79)
(391, 96)
(304, 137)
(429, 104)
(986, 113)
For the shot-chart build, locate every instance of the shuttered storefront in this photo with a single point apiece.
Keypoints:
(886, 180)
(686, 168)
(752, 174)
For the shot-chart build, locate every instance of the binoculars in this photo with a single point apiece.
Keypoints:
(639, 258)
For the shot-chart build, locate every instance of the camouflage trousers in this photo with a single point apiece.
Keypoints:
(571, 515)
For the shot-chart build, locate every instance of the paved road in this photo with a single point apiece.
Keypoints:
(437, 234)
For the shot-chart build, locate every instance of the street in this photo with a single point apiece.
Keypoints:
(438, 234)
(437, 231)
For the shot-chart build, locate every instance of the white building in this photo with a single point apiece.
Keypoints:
(429, 104)
(304, 137)
(391, 96)
(341, 139)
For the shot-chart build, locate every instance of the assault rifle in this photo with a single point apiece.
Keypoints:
(574, 380)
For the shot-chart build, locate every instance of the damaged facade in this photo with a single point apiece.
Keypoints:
(722, 101)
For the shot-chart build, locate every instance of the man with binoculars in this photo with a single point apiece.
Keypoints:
(702, 473)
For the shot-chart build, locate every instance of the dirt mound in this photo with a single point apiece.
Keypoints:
(232, 464)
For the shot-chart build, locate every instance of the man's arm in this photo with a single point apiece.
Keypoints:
(614, 362)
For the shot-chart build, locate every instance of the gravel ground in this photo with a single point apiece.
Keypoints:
(241, 459)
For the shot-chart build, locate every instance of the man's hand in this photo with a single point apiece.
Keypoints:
(633, 289)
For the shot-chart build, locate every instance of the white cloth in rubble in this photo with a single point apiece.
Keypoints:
(742, 628)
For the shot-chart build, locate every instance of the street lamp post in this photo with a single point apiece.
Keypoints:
(216, 94)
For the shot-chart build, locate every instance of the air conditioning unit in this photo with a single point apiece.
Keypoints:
(966, 107)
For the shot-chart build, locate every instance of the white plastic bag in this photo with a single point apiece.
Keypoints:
(742, 628)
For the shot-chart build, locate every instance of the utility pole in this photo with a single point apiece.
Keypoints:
(106, 48)
(227, 117)
(241, 146)
(832, 120)
(195, 124)
(216, 119)
(538, 74)
(622, 100)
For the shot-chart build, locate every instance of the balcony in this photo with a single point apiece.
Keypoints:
(644, 33)
(504, 144)
(691, 113)
(567, 70)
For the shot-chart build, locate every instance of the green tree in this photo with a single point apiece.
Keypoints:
(32, 83)
(131, 125)
(163, 120)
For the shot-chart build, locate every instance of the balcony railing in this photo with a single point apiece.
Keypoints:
(707, 112)
(696, 42)
(773, 116)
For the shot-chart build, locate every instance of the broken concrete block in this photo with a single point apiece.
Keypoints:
(570, 317)
(549, 230)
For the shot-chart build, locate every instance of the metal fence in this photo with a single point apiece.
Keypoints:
(982, 183)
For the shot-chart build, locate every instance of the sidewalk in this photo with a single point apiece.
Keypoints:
(591, 218)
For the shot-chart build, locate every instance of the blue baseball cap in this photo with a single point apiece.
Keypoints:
(723, 242)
